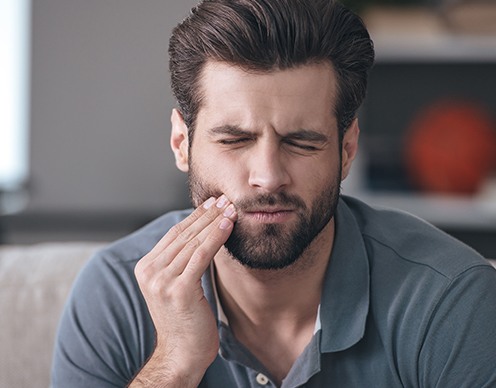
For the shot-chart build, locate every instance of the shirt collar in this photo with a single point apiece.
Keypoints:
(346, 294)
(221, 316)
(345, 300)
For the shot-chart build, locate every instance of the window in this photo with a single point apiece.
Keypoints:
(15, 17)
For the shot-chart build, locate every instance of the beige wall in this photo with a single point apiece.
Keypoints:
(101, 104)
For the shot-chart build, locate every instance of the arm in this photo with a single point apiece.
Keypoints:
(105, 333)
(169, 277)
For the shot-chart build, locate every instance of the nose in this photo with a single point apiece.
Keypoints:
(268, 168)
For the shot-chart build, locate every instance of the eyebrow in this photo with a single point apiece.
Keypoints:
(307, 135)
(301, 134)
(232, 130)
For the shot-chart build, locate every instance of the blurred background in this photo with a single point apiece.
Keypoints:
(85, 106)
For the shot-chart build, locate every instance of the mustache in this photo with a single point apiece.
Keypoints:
(282, 199)
(199, 192)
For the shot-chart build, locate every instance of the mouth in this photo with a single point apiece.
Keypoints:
(269, 215)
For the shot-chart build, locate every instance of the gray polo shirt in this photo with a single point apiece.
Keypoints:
(403, 305)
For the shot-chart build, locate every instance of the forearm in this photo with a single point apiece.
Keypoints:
(152, 378)
(161, 372)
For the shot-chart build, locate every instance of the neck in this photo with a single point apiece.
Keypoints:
(257, 297)
(273, 313)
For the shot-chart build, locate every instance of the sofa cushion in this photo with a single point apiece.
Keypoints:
(34, 283)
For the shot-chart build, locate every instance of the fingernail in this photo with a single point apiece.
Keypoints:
(229, 211)
(225, 224)
(209, 202)
(222, 201)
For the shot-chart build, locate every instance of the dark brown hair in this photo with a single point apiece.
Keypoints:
(269, 35)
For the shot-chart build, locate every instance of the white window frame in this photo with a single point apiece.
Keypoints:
(15, 20)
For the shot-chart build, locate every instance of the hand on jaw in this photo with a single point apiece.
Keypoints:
(169, 277)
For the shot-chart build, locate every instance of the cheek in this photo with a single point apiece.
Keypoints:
(316, 171)
(310, 183)
(317, 176)
(220, 174)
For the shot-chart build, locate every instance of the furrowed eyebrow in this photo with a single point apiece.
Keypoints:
(231, 130)
(300, 135)
(307, 135)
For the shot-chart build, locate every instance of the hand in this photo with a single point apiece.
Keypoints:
(170, 280)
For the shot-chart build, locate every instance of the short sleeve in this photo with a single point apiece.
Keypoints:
(105, 333)
(460, 344)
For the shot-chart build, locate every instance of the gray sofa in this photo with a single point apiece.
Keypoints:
(34, 283)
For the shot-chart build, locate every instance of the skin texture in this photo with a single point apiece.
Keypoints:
(169, 278)
(275, 244)
(268, 142)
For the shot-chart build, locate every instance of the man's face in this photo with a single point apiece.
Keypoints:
(270, 143)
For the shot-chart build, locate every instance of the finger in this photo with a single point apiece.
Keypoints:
(147, 264)
(191, 236)
(204, 254)
(194, 231)
(177, 229)
(181, 259)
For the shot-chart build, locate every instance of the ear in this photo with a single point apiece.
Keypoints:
(350, 148)
(179, 140)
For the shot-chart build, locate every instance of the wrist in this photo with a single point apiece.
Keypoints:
(160, 371)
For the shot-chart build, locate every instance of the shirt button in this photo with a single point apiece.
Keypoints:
(262, 379)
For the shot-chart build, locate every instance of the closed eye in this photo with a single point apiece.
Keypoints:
(233, 141)
(303, 146)
(306, 140)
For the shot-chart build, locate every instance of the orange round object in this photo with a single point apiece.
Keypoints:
(451, 148)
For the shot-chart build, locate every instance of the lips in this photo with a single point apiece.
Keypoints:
(269, 215)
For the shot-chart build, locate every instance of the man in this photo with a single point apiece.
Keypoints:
(275, 279)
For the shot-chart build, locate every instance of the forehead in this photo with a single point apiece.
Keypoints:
(279, 98)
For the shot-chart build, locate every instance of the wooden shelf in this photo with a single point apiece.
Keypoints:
(422, 34)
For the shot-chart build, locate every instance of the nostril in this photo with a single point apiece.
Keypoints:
(269, 179)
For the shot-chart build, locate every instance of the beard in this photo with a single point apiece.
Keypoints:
(272, 246)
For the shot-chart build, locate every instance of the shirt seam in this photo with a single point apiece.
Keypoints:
(413, 261)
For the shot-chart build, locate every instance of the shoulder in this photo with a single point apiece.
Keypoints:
(108, 278)
(122, 255)
(105, 333)
(139, 243)
(432, 297)
(109, 274)
(391, 234)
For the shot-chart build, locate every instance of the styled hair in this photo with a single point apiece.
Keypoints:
(270, 35)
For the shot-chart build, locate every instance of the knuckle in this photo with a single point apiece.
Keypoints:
(217, 237)
(183, 294)
(142, 271)
(213, 213)
(157, 288)
(152, 287)
(194, 243)
(181, 290)
(146, 272)
(176, 230)
(187, 235)
(179, 295)
(201, 253)
(183, 226)
(200, 259)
